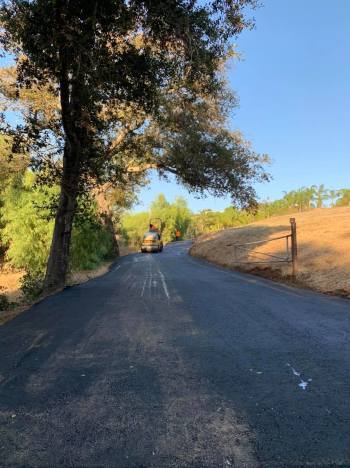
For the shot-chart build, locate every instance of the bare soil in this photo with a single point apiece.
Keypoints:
(10, 283)
(323, 237)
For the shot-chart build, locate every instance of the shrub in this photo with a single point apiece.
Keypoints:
(32, 286)
(92, 244)
(28, 228)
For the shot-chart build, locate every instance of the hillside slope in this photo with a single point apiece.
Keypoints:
(323, 248)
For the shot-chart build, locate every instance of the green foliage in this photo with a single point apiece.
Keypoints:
(210, 221)
(133, 226)
(344, 197)
(143, 53)
(32, 285)
(175, 216)
(28, 227)
(91, 244)
(320, 194)
(12, 168)
(110, 61)
(27, 230)
(11, 165)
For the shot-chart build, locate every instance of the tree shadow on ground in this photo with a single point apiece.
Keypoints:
(60, 384)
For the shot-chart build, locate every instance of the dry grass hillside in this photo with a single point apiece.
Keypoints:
(323, 248)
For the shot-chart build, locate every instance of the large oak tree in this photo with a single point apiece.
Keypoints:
(131, 78)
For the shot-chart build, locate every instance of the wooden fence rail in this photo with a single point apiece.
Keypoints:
(291, 250)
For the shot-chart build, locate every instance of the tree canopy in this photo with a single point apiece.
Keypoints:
(131, 81)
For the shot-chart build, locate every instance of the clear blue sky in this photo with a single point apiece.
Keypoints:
(294, 90)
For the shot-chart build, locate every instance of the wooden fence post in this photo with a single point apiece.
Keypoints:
(294, 246)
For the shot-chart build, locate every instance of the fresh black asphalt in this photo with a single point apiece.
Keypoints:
(167, 361)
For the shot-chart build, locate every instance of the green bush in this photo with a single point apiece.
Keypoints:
(28, 227)
(92, 244)
(133, 228)
(32, 286)
(175, 216)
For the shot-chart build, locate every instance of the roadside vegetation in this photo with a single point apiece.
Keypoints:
(27, 224)
(94, 96)
(178, 216)
(25, 236)
(103, 92)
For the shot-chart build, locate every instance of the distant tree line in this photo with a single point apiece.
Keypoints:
(316, 197)
(174, 216)
(178, 216)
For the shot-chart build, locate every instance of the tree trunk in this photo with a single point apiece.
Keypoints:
(71, 107)
(57, 265)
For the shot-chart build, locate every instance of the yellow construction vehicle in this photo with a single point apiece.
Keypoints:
(152, 239)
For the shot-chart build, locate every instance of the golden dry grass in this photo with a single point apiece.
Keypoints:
(323, 248)
(10, 283)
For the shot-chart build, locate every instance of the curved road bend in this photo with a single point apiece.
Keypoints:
(167, 361)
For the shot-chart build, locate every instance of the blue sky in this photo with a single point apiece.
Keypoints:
(293, 84)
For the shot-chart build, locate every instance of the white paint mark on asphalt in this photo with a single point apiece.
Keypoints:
(117, 268)
(294, 371)
(303, 383)
(165, 287)
(143, 287)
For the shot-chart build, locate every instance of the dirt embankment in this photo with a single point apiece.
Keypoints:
(323, 237)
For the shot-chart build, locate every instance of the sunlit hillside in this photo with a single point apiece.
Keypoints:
(323, 248)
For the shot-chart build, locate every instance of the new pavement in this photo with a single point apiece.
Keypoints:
(167, 361)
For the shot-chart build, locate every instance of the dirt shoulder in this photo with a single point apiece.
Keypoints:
(10, 286)
(323, 249)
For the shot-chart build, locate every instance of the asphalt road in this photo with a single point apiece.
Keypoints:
(168, 361)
